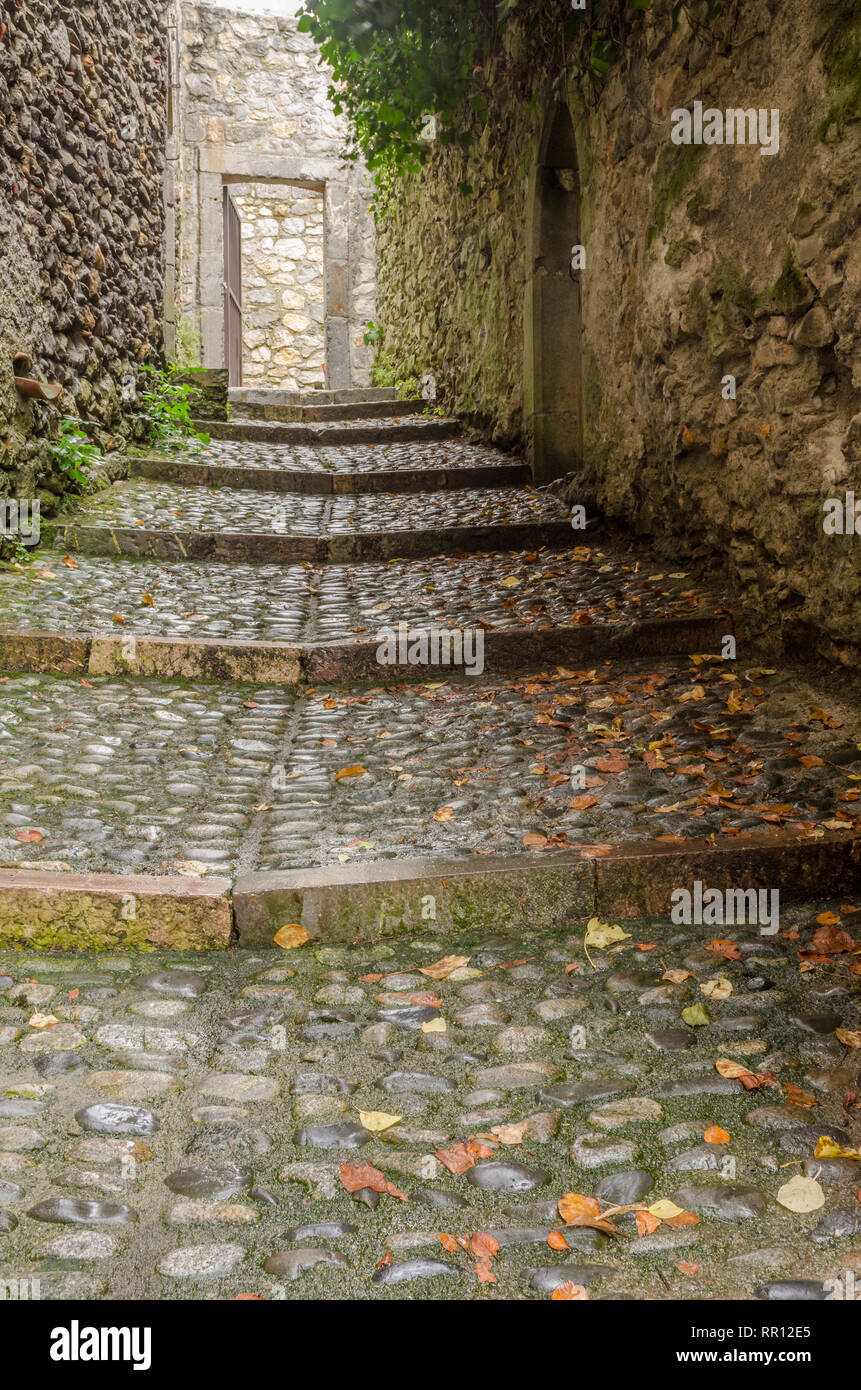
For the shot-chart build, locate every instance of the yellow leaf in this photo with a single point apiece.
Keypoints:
(291, 936)
(829, 1148)
(43, 1021)
(718, 988)
(444, 813)
(377, 1120)
(434, 1025)
(356, 771)
(664, 1210)
(602, 935)
(146, 600)
(801, 1194)
(510, 582)
(441, 969)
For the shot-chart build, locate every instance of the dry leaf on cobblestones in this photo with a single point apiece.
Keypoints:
(441, 969)
(355, 1176)
(729, 949)
(715, 1135)
(577, 1210)
(677, 977)
(829, 1148)
(752, 1081)
(355, 771)
(687, 1267)
(801, 1195)
(647, 1222)
(793, 1095)
(29, 837)
(832, 940)
(718, 988)
(602, 935)
(557, 1241)
(377, 1120)
(848, 1037)
(434, 1025)
(291, 936)
(569, 1292)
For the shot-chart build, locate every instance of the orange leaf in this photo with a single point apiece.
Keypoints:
(646, 1223)
(448, 1243)
(582, 803)
(569, 1292)
(724, 948)
(484, 1273)
(828, 938)
(827, 919)
(557, 1241)
(457, 1159)
(484, 1245)
(684, 1218)
(715, 1135)
(577, 1210)
(795, 1096)
(355, 771)
(355, 1176)
(686, 1267)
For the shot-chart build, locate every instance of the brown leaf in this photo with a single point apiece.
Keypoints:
(355, 1176)
(728, 949)
(646, 1223)
(484, 1245)
(687, 1267)
(355, 771)
(577, 1210)
(441, 969)
(795, 1096)
(848, 1037)
(829, 938)
(29, 837)
(457, 1159)
(684, 1218)
(557, 1241)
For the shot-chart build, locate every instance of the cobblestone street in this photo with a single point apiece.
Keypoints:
(180, 1131)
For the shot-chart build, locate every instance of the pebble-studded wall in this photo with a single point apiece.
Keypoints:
(82, 138)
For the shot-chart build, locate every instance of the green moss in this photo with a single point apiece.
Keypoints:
(677, 165)
(841, 58)
(699, 205)
(727, 283)
(788, 290)
(678, 251)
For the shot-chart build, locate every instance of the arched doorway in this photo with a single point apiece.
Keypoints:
(552, 378)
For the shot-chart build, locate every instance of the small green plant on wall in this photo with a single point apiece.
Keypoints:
(73, 453)
(166, 407)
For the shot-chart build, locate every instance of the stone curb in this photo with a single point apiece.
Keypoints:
(270, 548)
(216, 659)
(323, 484)
(336, 411)
(49, 911)
(271, 432)
(364, 902)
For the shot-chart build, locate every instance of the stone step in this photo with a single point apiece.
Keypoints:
(360, 410)
(411, 428)
(267, 395)
(164, 520)
(321, 482)
(332, 805)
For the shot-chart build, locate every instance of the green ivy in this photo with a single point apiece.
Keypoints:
(73, 453)
(167, 411)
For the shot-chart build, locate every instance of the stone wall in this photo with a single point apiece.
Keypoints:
(82, 115)
(283, 286)
(254, 109)
(703, 262)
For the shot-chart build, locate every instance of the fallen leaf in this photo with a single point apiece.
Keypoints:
(832, 941)
(848, 1037)
(569, 1292)
(729, 949)
(801, 1194)
(752, 1081)
(355, 1176)
(602, 935)
(291, 936)
(557, 1241)
(377, 1120)
(29, 837)
(441, 969)
(677, 977)
(696, 1016)
(664, 1210)
(647, 1222)
(829, 1148)
(457, 1159)
(718, 988)
(43, 1021)
(434, 1025)
(687, 1267)
(355, 771)
(793, 1095)
(715, 1135)
(444, 813)
(577, 1210)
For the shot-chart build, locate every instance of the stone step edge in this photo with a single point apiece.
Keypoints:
(273, 432)
(276, 395)
(365, 902)
(324, 484)
(351, 903)
(41, 910)
(336, 412)
(294, 663)
(273, 548)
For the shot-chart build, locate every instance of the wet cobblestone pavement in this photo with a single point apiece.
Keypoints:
(124, 775)
(170, 507)
(175, 1127)
(603, 584)
(358, 458)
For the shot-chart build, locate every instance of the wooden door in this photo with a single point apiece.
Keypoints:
(232, 291)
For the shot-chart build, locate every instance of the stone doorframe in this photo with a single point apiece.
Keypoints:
(223, 166)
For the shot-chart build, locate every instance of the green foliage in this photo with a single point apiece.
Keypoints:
(385, 373)
(395, 66)
(166, 407)
(373, 333)
(73, 453)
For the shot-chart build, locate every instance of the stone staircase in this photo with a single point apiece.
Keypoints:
(321, 672)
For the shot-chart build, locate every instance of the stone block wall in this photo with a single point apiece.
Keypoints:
(82, 138)
(255, 111)
(702, 262)
(283, 285)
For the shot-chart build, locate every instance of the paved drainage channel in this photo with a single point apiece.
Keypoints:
(180, 1129)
